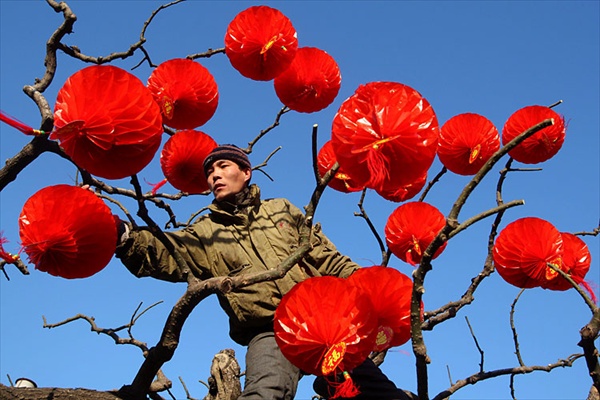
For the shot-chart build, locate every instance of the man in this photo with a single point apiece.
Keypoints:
(241, 235)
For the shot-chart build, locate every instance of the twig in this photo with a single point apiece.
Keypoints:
(433, 182)
(496, 210)
(187, 393)
(476, 344)
(206, 54)
(594, 232)
(259, 167)
(263, 132)
(75, 52)
(363, 214)
(514, 329)
(478, 377)
(111, 332)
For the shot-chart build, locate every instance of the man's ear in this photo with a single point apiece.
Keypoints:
(247, 174)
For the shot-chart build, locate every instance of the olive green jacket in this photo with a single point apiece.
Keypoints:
(233, 242)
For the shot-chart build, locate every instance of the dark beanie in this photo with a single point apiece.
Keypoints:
(227, 152)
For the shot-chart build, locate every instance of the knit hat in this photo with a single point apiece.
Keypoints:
(227, 152)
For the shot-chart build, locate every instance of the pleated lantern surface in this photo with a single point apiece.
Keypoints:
(411, 228)
(524, 248)
(325, 325)
(261, 42)
(341, 181)
(107, 121)
(390, 292)
(576, 261)
(67, 231)
(466, 142)
(182, 160)
(385, 129)
(401, 190)
(543, 144)
(310, 83)
(186, 92)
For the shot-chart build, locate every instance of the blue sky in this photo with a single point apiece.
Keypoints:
(490, 58)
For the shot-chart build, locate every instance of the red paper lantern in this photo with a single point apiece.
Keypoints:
(390, 292)
(107, 122)
(325, 325)
(182, 157)
(67, 231)
(467, 141)
(524, 248)
(311, 82)
(341, 181)
(185, 91)
(397, 190)
(385, 129)
(540, 146)
(576, 261)
(411, 228)
(261, 42)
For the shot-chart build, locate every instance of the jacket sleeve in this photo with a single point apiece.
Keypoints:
(324, 256)
(145, 255)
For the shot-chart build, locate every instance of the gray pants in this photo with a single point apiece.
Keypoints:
(269, 375)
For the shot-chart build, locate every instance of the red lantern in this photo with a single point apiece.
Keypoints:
(397, 190)
(67, 231)
(390, 292)
(543, 144)
(576, 261)
(385, 129)
(185, 91)
(310, 83)
(261, 43)
(524, 248)
(306, 335)
(467, 141)
(182, 157)
(411, 228)
(341, 181)
(107, 122)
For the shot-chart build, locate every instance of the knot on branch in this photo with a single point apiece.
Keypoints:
(452, 223)
(226, 285)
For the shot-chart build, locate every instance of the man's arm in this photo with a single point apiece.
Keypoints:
(145, 255)
(324, 256)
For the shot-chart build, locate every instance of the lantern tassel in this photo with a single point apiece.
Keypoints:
(346, 389)
(590, 290)
(15, 123)
(6, 256)
(158, 185)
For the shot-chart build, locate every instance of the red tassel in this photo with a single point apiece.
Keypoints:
(158, 186)
(346, 389)
(590, 290)
(6, 256)
(26, 129)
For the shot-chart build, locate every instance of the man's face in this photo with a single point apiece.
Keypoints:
(226, 179)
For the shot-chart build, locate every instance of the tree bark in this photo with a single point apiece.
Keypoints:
(19, 393)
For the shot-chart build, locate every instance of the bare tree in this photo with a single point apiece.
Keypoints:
(224, 382)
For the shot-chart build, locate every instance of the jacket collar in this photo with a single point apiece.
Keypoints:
(247, 199)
